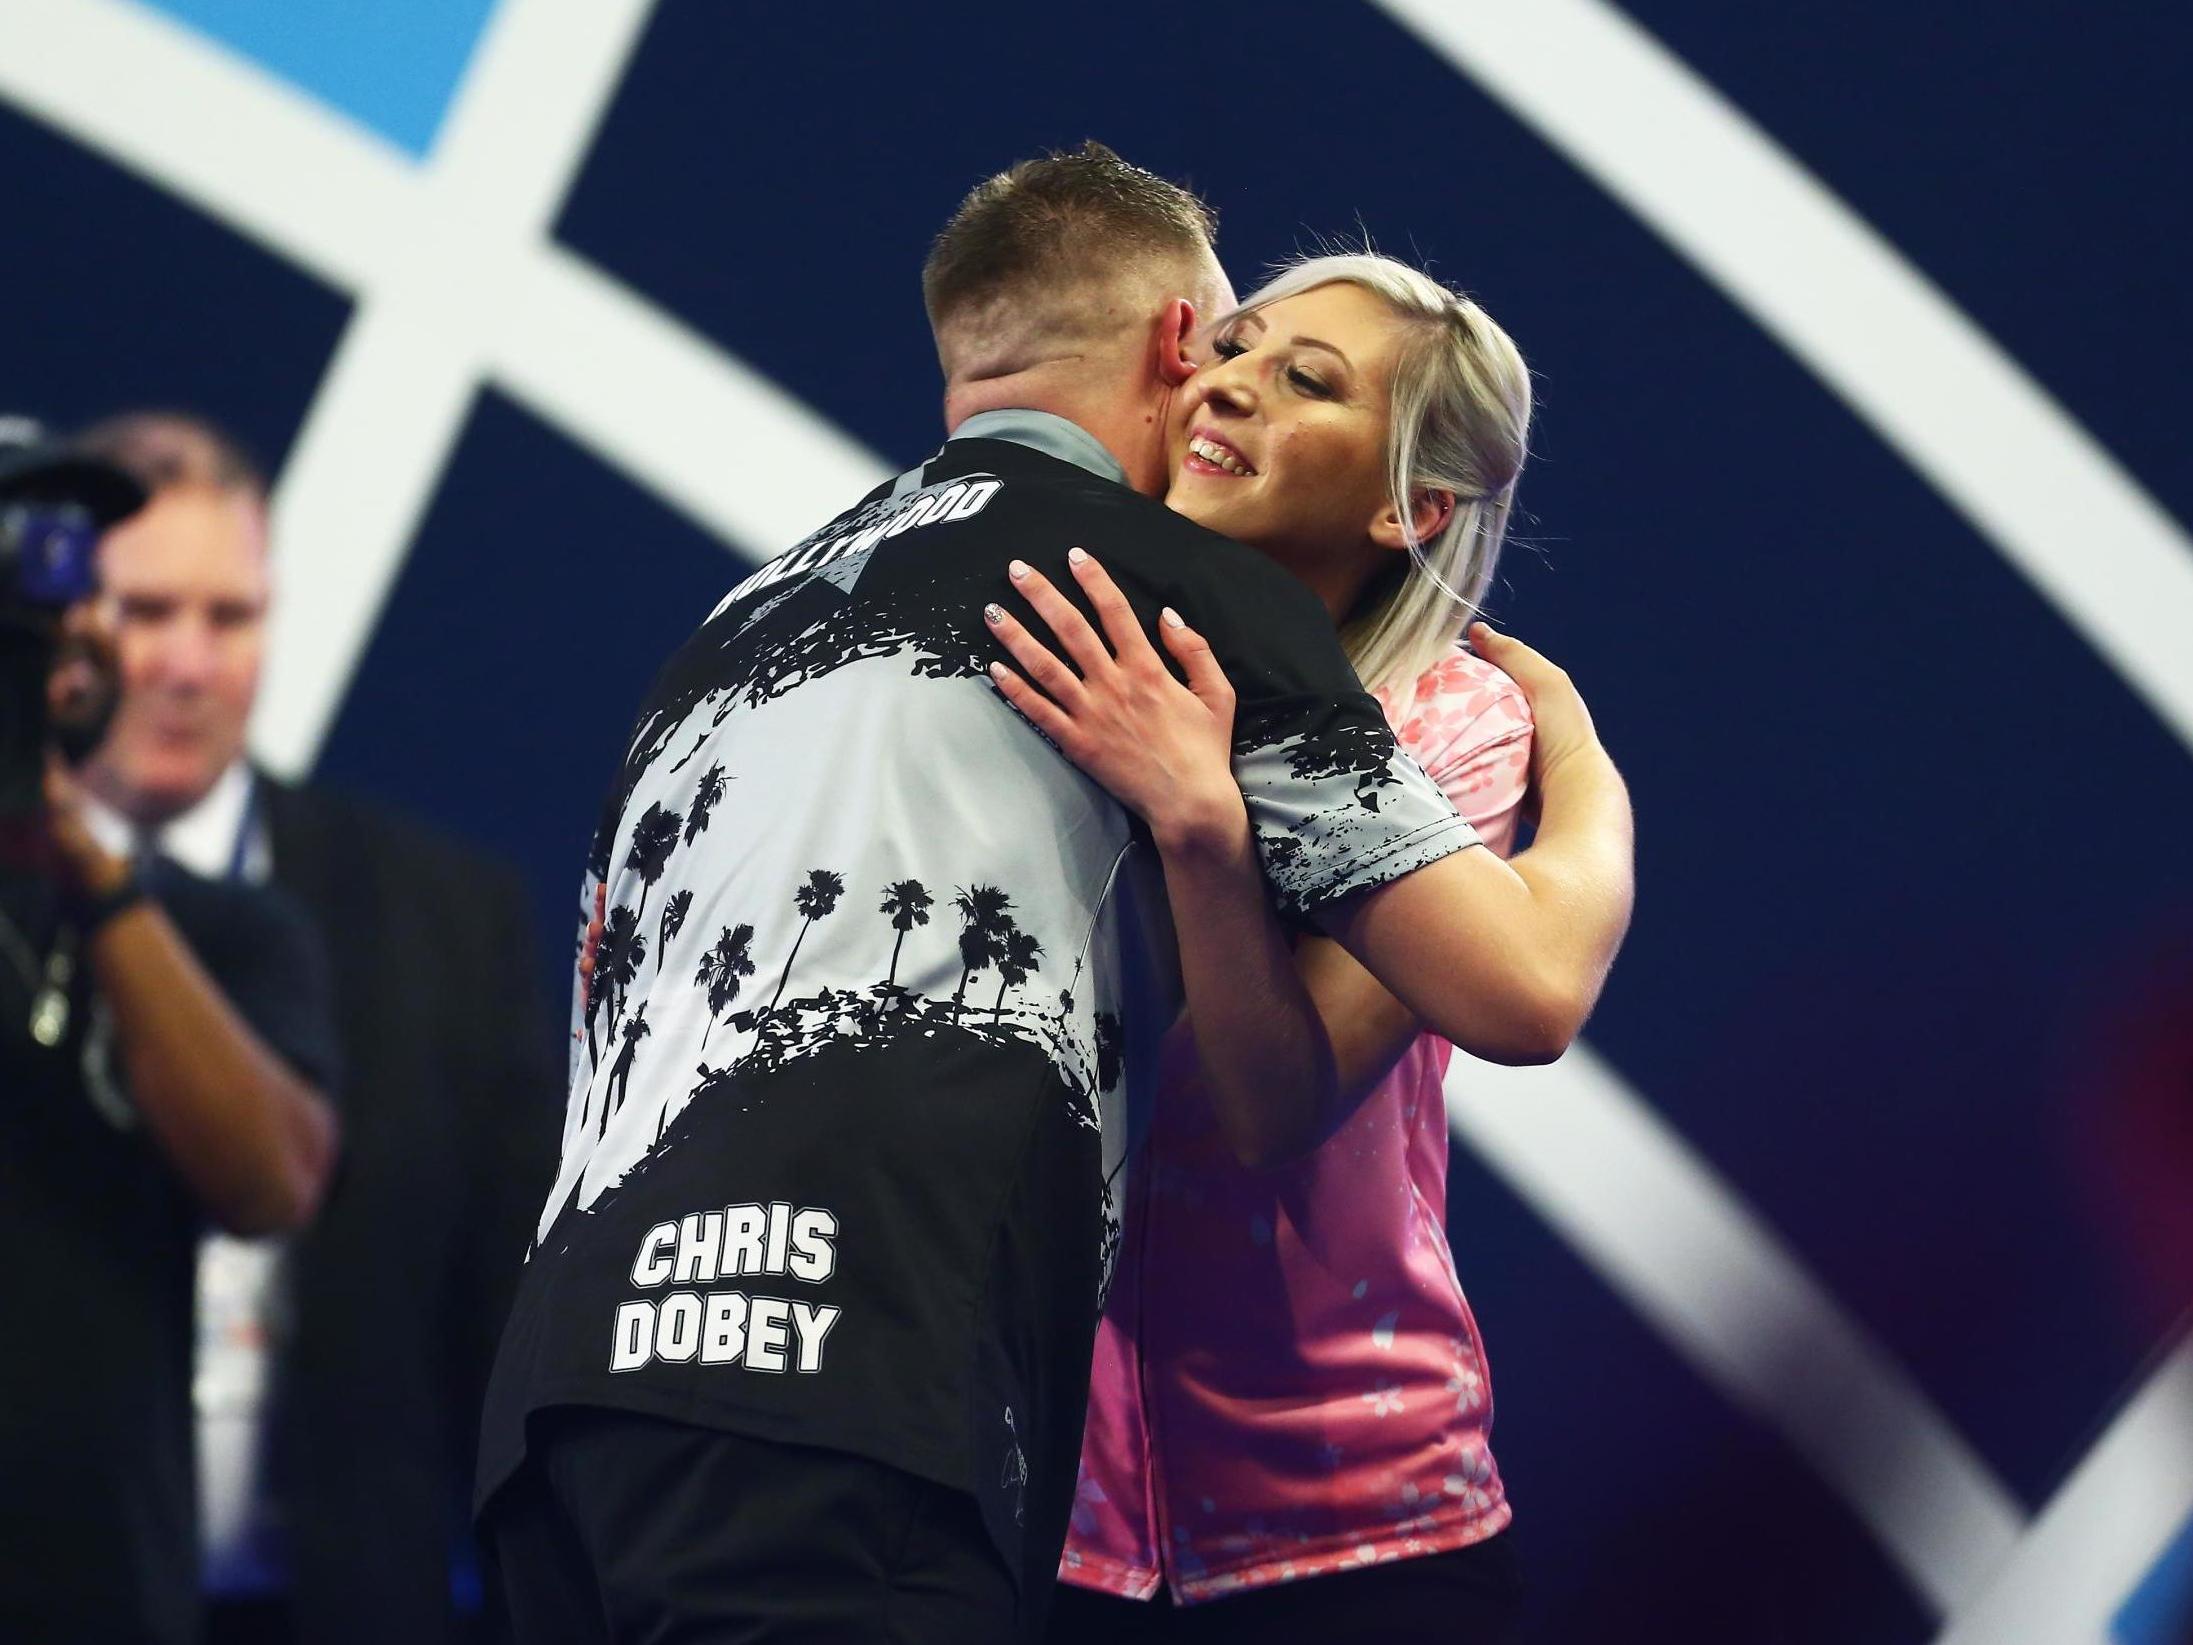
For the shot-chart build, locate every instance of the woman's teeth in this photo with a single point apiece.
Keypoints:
(1219, 457)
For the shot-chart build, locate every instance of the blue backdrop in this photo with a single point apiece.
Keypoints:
(1913, 962)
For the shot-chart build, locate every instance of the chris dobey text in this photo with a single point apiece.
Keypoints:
(730, 1327)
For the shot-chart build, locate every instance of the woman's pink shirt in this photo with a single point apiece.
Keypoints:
(1287, 1379)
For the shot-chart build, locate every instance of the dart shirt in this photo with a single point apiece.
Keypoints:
(874, 1015)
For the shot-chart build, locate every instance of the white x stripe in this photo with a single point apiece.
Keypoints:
(1679, 1245)
(1870, 326)
(1782, 247)
(409, 364)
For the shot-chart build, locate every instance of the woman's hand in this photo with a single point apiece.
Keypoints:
(1563, 729)
(1160, 748)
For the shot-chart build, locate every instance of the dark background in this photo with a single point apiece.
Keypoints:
(1913, 961)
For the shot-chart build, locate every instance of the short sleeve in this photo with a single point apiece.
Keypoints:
(1470, 727)
(1335, 805)
(267, 958)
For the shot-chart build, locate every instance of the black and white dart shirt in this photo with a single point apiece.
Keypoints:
(883, 978)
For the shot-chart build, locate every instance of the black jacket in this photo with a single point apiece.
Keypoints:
(98, 1241)
(450, 1106)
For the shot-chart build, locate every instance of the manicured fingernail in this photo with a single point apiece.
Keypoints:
(1017, 570)
(997, 671)
(1077, 555)
(1171, 618)
(993, 614)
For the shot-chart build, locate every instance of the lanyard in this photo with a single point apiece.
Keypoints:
(247, 831)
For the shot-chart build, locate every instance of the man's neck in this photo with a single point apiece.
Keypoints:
(1123, 429)
(1041, 431)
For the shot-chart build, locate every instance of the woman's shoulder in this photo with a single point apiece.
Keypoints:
(1461, 699)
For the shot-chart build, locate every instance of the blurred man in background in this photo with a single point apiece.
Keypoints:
(339, 1376)
(165, 1042)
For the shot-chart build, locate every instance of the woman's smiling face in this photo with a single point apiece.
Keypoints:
(1280, 440)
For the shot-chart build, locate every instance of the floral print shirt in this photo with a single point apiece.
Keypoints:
(1288, 1380)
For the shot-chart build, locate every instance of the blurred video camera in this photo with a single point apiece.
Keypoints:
(54, 504)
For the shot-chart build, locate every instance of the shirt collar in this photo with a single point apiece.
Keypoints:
(1048, 433)
(203, 839)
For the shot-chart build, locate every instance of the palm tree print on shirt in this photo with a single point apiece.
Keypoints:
(654, 837)
(595, 990)
(722, 967)
(617, 961)
(673, 921)
(707, 794)
(620, 1071)
(1016, 955)
(907, 902)
(814, 900)
(983, 914)
(797, 1024)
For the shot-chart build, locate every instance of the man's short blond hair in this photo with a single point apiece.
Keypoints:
(165, 450)
(1027, 246)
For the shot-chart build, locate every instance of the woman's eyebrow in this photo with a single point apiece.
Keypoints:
(1313, 342)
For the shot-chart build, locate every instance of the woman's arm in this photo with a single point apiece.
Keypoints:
(1162, 750)
(1504, 960)
(1508, 959)
(1471, 729)
(1259, 1037)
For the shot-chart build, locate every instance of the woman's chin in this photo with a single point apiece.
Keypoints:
(1196, 503)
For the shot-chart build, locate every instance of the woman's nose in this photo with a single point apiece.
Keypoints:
(1229, 387)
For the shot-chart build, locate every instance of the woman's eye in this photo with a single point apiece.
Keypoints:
(1227, 348)
(1308, 383)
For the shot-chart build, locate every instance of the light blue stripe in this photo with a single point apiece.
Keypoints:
(2160, 1611)
(392, 65)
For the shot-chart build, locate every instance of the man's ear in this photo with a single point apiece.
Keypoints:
(1430, 511)
(1176, 323)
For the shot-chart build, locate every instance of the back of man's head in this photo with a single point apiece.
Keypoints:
(163, 450)
(1064, 257)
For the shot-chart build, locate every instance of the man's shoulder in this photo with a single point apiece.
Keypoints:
(1041, 485)
(1036, 478)
(222, 911)
(346, 825)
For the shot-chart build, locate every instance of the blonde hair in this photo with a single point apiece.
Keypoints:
(1458, 421)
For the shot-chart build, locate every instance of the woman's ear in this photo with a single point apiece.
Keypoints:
(1176, 324)
(1429, 510)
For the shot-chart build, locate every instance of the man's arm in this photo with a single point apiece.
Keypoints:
(252, 1140)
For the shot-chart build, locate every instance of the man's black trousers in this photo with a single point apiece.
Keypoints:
(625, 1530)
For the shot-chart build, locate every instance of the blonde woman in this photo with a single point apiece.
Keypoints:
(1289, 1386)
